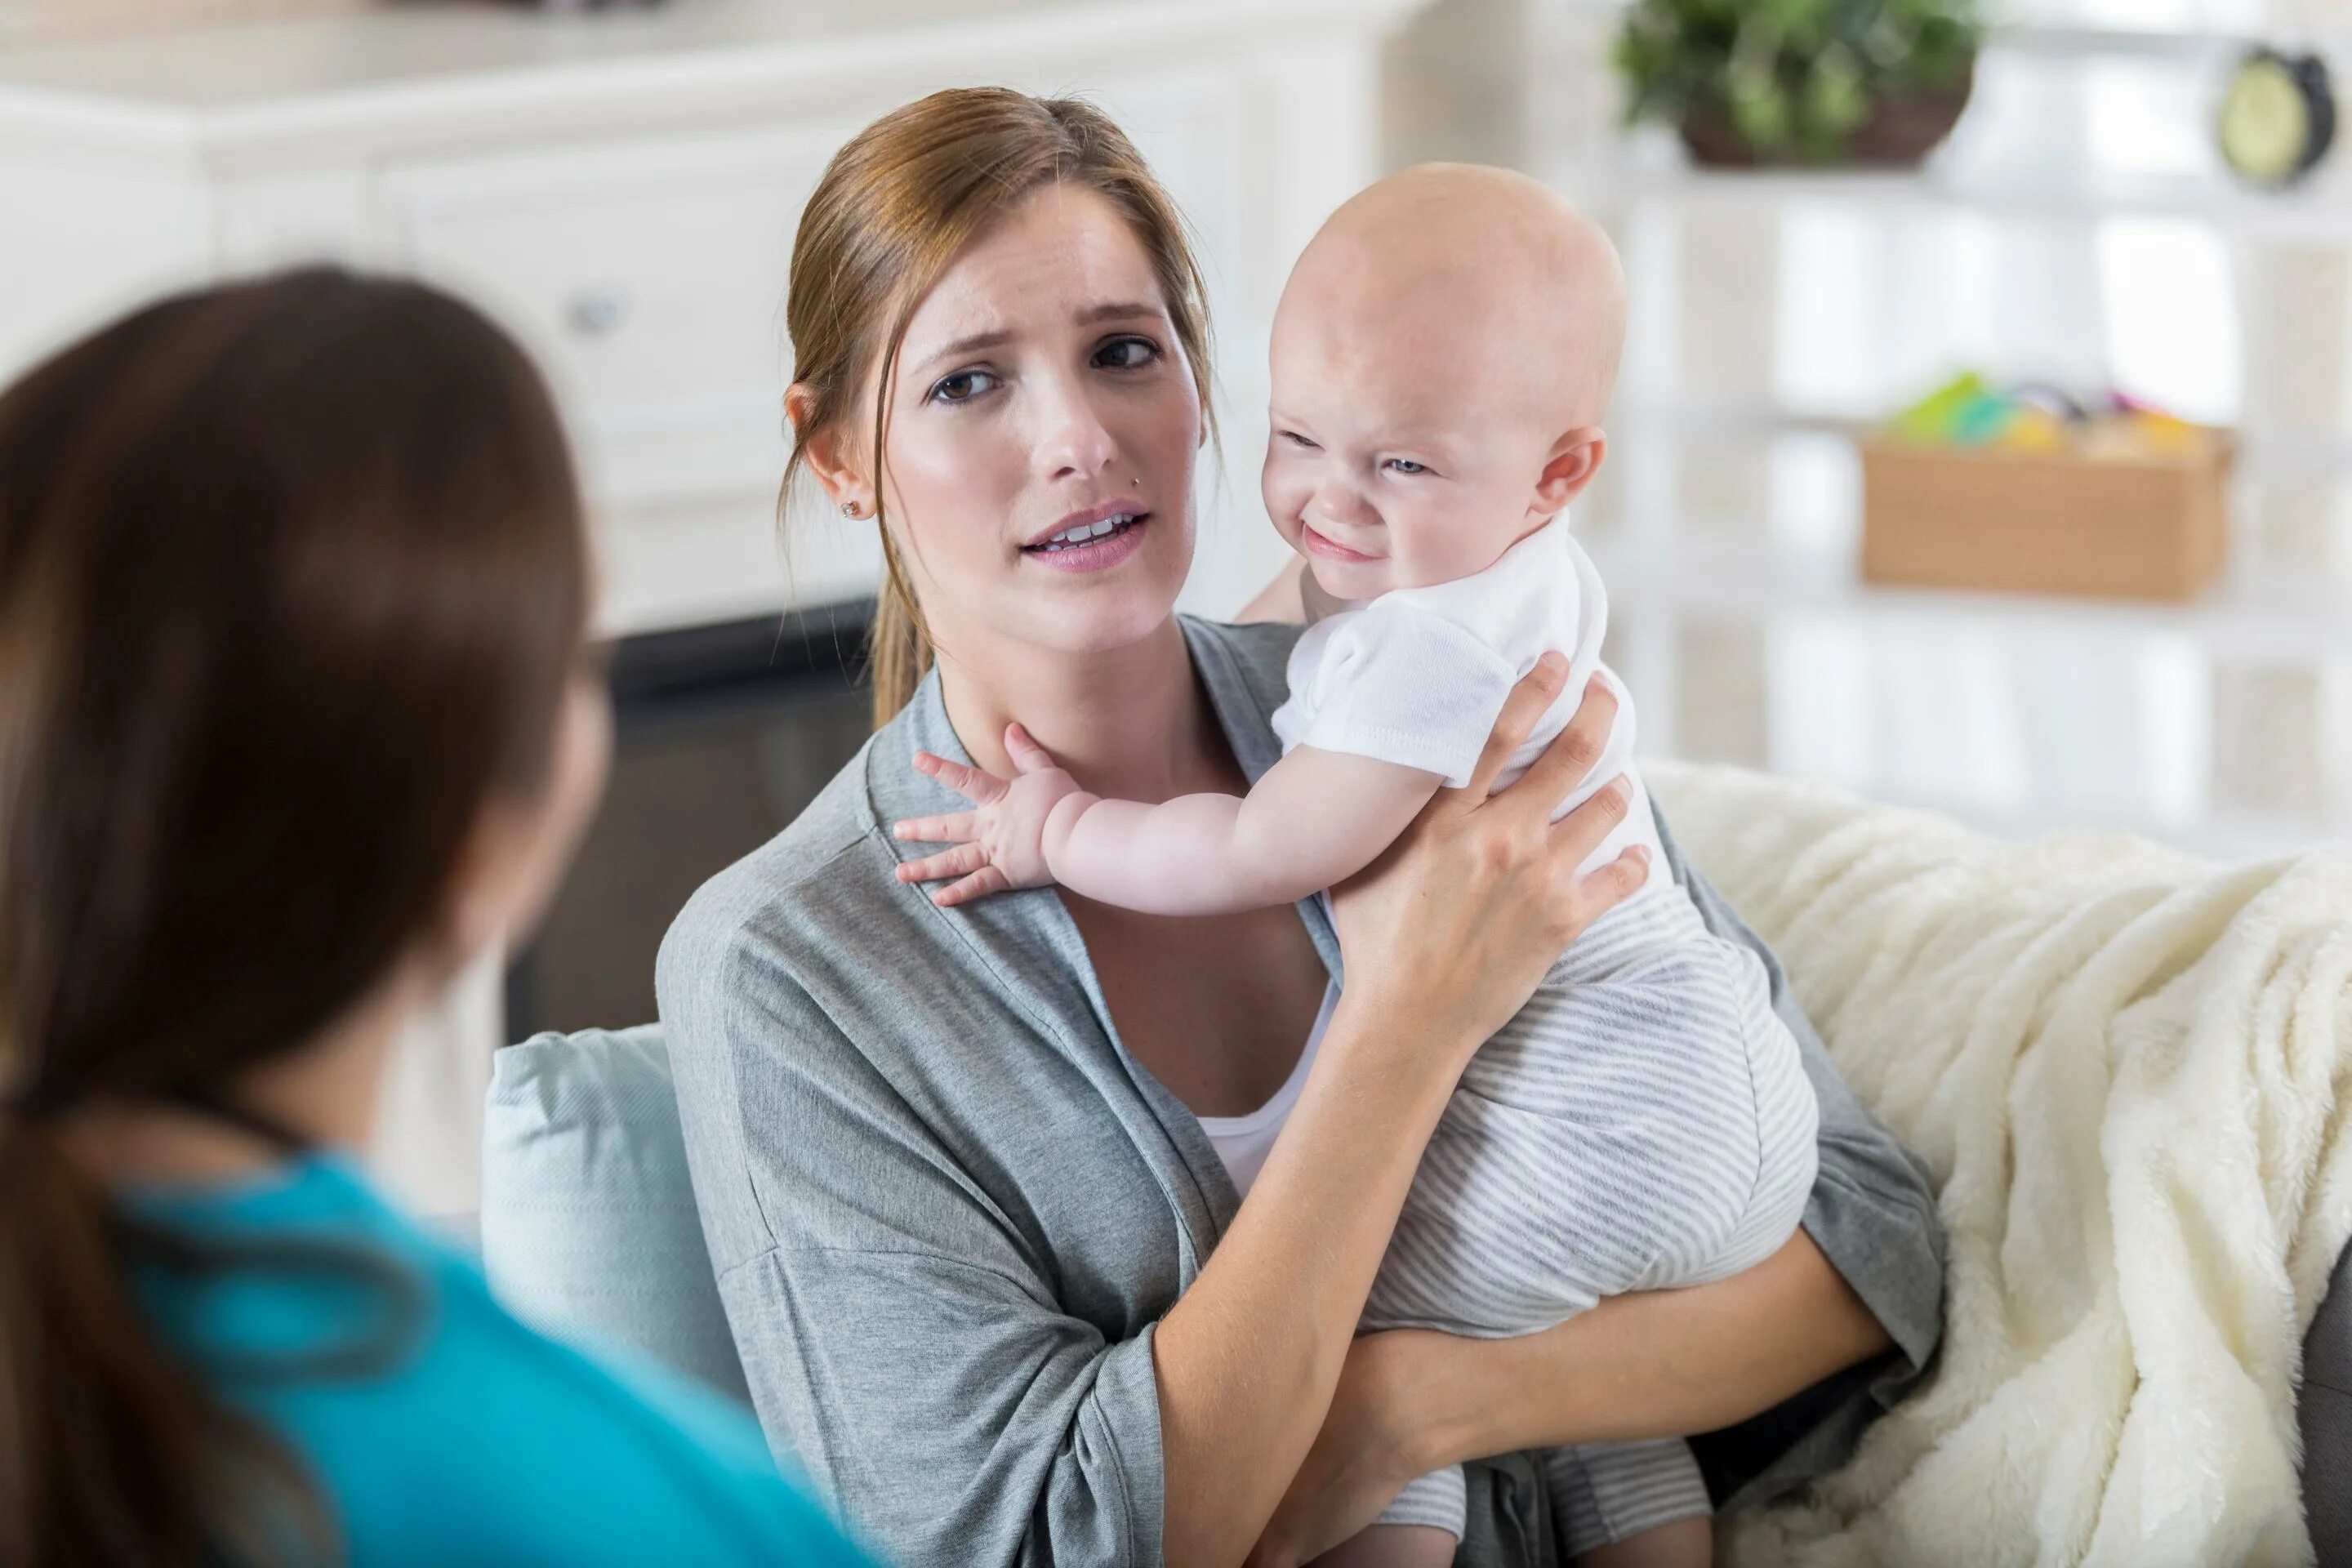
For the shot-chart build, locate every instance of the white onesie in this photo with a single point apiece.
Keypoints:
(1418, 675)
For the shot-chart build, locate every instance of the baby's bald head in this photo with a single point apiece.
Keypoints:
(1487, 281)
(1442, 356)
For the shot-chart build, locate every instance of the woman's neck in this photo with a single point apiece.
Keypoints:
(325, 1093)
(1131, 723)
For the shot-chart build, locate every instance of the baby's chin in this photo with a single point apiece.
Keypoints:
(1354, 580)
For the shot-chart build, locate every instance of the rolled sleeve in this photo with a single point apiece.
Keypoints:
(948, 1416)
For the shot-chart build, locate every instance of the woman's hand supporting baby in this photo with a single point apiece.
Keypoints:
(1458, 954)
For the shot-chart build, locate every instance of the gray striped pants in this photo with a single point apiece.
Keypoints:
(1643, 1123)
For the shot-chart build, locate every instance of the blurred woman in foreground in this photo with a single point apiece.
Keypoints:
(296, 716)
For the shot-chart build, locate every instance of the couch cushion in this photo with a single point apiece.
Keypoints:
(589, 1227)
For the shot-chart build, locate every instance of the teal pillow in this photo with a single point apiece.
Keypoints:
(589, 1228)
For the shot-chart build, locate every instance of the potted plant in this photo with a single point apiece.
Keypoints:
(1751, 82)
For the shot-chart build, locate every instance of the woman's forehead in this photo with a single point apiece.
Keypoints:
(1062, 257)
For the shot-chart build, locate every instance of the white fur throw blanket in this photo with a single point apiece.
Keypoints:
(2130, 1073)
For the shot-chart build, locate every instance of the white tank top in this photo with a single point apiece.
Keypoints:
(1242, 1143)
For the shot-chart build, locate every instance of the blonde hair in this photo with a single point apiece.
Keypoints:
(896, 204)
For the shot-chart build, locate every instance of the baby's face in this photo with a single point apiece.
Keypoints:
(1392, 463)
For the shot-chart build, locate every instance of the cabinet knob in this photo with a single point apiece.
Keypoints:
(597, 313)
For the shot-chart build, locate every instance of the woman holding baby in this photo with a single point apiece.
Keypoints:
(969, 1171)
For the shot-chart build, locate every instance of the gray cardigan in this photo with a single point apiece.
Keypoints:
(947, 1208)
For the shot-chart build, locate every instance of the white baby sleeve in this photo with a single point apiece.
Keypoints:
(1400, 684)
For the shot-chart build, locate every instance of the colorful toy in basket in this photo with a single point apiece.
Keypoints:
(2036, 417)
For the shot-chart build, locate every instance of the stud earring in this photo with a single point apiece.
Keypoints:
(851, 508)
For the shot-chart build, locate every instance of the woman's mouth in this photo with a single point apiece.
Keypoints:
(1091, 546)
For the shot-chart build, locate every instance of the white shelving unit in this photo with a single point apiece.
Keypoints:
(2078, 227)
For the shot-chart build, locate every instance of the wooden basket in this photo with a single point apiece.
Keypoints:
(2115, 528)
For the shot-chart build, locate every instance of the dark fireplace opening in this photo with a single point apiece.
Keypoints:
(722, 736)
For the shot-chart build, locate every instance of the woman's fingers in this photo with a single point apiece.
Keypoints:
(1574, 752)
(979, 885)
(974, 785)
(960, 861)
(950, 829)
(1521, 712)
(1575, 837)
(1612, 885)
(1028, 756)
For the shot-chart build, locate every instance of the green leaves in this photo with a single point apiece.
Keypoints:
(1795, 78)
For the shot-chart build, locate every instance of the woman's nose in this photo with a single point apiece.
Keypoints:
(1074, 442)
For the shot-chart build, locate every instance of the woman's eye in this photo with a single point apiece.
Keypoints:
(1407, 465)
(962, 386)
(1295, 439)
(1127, 353)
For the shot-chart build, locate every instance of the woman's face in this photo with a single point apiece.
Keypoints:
(1041, 397)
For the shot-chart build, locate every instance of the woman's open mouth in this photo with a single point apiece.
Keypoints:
(1091, 546)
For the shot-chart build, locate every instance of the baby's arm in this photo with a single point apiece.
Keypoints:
(1315, 818)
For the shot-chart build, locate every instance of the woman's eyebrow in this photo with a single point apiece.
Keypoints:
(1117, 311)
(995, 338)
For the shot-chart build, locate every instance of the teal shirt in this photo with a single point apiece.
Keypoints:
(481, 1441)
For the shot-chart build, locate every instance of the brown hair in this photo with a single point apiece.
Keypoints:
(899, 201)
(292, 576)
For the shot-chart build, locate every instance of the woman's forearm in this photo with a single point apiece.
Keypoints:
(1248, 1358)
(1656, 1364)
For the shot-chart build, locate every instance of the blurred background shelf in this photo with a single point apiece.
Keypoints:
(2079, 226)
(2282, 616)
(1652, 175)
(2274, 452)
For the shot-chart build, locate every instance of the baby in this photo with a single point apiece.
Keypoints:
(1443, 354)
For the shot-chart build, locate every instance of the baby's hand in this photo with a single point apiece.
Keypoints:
(1000, 843)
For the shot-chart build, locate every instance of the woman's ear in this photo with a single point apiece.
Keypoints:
(830, 454)
(1575, 458)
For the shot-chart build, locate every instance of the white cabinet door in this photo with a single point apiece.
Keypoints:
(649, 276)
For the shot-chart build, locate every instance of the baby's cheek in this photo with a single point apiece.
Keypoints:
(1457, 535)
(1283, 501)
